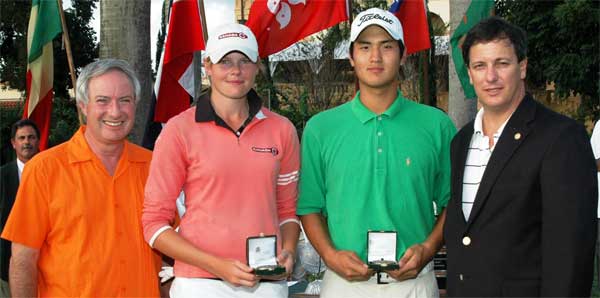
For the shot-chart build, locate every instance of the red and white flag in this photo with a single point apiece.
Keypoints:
(413, 16)
(278, 24)
(175, 78)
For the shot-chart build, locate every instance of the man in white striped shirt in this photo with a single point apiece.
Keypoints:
(521, 221)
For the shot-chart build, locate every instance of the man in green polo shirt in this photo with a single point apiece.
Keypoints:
(376, 163)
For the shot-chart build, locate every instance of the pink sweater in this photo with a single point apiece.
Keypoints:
(234, 187)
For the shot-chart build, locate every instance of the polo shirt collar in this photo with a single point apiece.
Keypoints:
(364, 114)
(79, 149)
(206, 113)
(478, 124)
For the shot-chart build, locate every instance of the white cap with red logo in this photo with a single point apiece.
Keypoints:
(229, 38)
(379, 17)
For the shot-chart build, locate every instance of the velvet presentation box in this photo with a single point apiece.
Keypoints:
(381, 250)
(261, 253)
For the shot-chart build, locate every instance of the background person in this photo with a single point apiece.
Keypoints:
(25, 139)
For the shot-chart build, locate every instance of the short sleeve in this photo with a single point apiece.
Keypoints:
(28, 222)
(442, 192)
(312, 177)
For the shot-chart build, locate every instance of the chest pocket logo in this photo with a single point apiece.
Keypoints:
(272, 150)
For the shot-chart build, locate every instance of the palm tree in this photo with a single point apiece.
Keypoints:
(125, 34)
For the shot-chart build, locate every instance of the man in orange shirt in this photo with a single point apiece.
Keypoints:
(75, 225)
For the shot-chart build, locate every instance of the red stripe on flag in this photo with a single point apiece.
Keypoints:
(183, 39)
(412, 15)
(41, 114)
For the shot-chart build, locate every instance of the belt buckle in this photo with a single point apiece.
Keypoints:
(379, 282)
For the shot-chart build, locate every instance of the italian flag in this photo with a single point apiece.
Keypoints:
(44, 26)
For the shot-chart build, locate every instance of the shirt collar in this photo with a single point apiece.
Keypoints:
(20, 166)
(206, 113)
(364, 114)
(478, 124)
(80, 151)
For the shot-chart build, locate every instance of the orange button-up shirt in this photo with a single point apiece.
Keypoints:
(85, 222)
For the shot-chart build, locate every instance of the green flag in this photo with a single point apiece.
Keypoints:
(44, 26)
(478, 10)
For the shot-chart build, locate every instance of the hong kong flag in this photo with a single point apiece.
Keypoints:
(279, 23)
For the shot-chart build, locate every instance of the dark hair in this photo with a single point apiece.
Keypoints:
(23, 123)
(495, 28)
(400, 46)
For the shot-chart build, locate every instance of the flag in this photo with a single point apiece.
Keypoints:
(478, 10)
(278, 24)
(153, 128)
(176, 75)
(44, 26)
(413, 16)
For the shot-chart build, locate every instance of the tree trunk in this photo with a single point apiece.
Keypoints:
(125, 34)
(460, 109)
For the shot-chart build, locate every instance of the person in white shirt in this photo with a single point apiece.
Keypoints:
(25, 139)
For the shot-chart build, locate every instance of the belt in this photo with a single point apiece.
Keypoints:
(260, 280)
(382, 278)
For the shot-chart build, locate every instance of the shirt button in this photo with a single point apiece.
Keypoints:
(466, 241)
(379, 133)
(379, 118)
(460, 276)
(237, 133)
(379, 150)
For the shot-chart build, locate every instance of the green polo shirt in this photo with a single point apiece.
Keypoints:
(365, 171)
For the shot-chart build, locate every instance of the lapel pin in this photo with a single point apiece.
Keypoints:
(518, 136)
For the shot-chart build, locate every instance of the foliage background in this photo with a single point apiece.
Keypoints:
(13, 66)
(564, 47)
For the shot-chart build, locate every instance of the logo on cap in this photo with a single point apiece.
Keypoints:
(371, 16)
(233, 34)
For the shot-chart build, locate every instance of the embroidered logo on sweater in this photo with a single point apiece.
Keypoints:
(271, 150)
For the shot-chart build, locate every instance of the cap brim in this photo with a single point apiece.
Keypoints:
(218, 55)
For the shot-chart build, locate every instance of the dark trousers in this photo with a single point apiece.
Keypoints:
(598, 254)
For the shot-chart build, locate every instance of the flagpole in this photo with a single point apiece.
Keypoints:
(203, 20)
(197, 57)
(349, 7)
(67, 42)
(350, 19)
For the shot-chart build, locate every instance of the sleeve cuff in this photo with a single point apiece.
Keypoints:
(290, 220)
(158, 232)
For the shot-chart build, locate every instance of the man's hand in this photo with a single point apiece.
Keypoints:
(411, 263)
(286, 259)
(349, 266)
(235, 273)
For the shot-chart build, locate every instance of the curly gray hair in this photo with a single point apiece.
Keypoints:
(100, 67)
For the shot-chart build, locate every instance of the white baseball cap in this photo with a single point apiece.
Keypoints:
(379, 17)
(231, 37)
